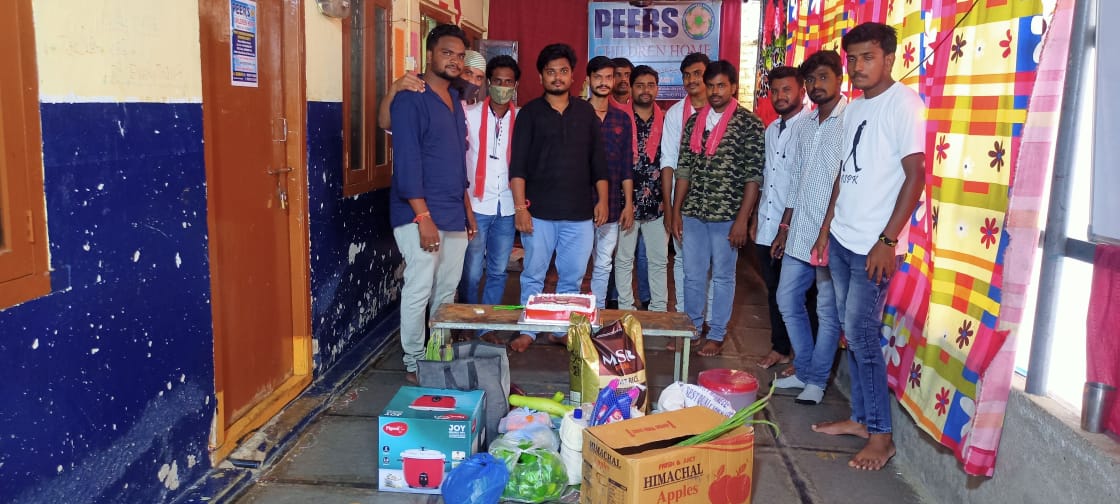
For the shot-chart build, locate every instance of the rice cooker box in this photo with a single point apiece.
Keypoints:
(424, 433)
(637, 461)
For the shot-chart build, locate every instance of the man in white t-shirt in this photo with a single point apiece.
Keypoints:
(882, 175)
(692, 74)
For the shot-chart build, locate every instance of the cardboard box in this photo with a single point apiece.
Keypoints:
(424, 433)
(635, 461)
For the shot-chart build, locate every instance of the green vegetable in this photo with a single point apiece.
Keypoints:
(544, 404)
(740, 418)
(558, 397)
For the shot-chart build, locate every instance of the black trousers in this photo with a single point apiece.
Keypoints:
(771, 270)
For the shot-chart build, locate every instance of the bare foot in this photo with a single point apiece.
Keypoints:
(492, 337)
(410, 377)
(875, 454)
(771, 359)
(710, 348)
(842, 428)
(521, 343)
(558, 340)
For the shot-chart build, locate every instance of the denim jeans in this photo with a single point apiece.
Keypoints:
(678, 281)
(653, 233)
(571, 241)
(860, 302)
(430, 279)
(813, 361)
(489, 251)
(606, 238)
(641, 268)
(707, 249)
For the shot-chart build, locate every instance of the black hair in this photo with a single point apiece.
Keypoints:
(622, 62)
(721, 67)
(785, 72)
(444, 30)
(598, 63)
(503, 61)
(884, 35)
(694, 58)
(823, 58)
(555, 52)
(641, 70)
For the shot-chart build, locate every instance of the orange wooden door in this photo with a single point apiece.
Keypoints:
(249, 171)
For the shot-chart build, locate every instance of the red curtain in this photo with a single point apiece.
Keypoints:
(730, 24)
(1103, 345)
(537, 24)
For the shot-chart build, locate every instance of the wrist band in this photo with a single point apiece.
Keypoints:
(887, 241)
(422, 216)
(522, 207)
(783, 226)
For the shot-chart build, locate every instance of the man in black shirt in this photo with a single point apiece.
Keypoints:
(557, 164)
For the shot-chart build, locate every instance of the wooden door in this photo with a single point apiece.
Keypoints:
(252, 102)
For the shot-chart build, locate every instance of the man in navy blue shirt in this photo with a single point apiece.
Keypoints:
(428, 204)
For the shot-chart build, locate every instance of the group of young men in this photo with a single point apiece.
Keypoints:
(824, 193)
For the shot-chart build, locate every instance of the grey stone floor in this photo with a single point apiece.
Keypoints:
(334, 459)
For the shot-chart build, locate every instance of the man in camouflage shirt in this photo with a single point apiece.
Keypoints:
(717, 184)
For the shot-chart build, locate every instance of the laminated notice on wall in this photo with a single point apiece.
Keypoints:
(243, 42)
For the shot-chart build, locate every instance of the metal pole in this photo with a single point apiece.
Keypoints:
(1082, 43)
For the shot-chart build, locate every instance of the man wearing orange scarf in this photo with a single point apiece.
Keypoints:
(718, 176)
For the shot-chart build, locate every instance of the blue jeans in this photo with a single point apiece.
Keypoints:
(489, 251)
(706, 247)
(860, 302)
(813, 361)
(571, 241)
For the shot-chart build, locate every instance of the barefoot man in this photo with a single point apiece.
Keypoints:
(865, 232)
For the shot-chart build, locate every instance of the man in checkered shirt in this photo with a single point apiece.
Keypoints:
(816, 152)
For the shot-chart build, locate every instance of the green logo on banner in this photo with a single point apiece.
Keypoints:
(698, 21)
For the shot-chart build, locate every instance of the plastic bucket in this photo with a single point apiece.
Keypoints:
(738, 387)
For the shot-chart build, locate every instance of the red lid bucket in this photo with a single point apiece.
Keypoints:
(728, 381)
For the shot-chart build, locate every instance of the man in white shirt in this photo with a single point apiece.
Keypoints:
(692, 73)
(489, 131)
(787, 95)
(865, 233)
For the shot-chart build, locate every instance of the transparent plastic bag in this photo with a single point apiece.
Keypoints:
(480, 479)
(519, 418)
(535, 474)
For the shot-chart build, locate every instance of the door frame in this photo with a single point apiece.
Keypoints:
(224, 440)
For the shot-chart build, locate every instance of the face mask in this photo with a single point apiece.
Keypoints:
(470, 92)
(501, 94)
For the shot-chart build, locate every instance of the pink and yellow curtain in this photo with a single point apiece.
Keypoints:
(976, 64)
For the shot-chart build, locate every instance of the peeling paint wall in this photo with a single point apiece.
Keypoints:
(355, 277)
(106, 394)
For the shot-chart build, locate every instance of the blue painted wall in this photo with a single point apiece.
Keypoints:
(354, 260)
(106, 394)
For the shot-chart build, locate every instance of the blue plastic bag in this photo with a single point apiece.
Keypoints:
(480, 479)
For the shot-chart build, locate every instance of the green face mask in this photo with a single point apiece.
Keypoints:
(501, 94)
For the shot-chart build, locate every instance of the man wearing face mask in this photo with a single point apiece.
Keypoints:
(489, 131)
(472, 86)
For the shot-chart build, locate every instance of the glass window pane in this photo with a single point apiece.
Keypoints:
(380, 78)
(356, 103)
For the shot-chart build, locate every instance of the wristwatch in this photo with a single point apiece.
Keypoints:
(887, 241)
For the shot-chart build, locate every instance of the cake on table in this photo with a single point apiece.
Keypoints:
(557, 308)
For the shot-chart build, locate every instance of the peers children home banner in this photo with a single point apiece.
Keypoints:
(659, 36)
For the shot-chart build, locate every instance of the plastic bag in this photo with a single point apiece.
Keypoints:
(480, 479)
(538, 435)
(535, 474)
(519, 418)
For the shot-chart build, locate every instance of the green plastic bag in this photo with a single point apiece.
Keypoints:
(535, 474)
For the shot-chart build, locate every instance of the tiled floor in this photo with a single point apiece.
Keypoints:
(334, 459)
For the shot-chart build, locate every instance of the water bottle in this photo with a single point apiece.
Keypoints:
(571, 444)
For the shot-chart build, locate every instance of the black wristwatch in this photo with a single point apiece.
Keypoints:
(887, 241)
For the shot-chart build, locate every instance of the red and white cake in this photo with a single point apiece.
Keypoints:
(557, 308)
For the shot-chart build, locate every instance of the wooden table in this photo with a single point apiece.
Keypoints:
(478, 317)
